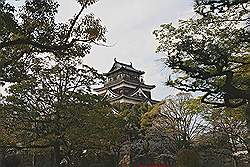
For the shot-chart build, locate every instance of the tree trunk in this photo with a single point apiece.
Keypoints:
(56, 155)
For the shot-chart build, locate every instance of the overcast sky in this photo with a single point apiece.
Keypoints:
(130, 24)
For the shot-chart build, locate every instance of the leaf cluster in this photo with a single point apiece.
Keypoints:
(208, 55)
(33, 31)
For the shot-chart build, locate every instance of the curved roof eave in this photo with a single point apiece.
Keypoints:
(122, 68)
(117, 83)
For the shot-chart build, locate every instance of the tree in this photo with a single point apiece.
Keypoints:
(210, 54)
(232, 122)
(131, 139)
(56, 110)
(27, 33)
(228, 131)
(49, 103)
(211, 57)
(204, 7)
(184, 131)
(179, 119)
(132, 113)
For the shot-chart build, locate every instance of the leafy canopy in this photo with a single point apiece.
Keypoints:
(57, 109)
(31, 31)
(210, 55)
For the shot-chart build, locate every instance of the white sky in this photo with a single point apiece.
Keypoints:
(130, 24)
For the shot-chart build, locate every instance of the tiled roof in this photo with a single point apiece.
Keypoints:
(118, 66)
(124, 81)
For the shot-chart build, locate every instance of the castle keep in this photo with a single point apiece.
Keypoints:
(125, 84)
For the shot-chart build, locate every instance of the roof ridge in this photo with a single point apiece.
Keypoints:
(129, 65)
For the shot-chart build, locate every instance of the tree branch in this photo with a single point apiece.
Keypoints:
(74, 22)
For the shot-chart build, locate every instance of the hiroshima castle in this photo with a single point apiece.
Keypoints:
(125, 84)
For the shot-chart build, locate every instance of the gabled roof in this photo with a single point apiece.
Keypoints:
(112, 96)
(119, 66)
(140, 92)
(110, 93)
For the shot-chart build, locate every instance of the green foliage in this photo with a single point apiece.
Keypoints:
(29, 33)
(132, 113)
(7, 20)
(148, 118)
(229, 129)
(87, 2)
(204, 7)
(55, 107)
(178, 119)
(209, 54)
(49, 104)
